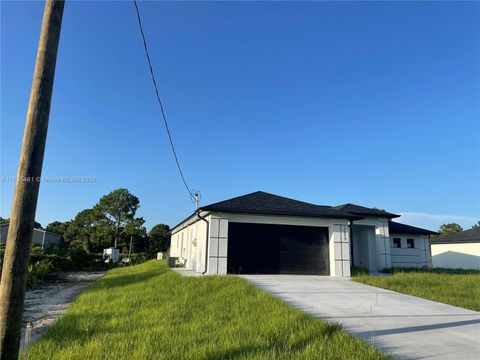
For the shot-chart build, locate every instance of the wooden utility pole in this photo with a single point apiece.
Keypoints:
(22, 217)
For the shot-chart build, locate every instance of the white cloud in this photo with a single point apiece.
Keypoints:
(433, 221)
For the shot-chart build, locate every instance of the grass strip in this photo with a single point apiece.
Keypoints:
(454, 289)
(150, 312)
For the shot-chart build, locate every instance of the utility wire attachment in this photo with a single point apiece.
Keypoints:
(196, 198)
(192, 193)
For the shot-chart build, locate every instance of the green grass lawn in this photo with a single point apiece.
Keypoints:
(455, 289)
(150, 312)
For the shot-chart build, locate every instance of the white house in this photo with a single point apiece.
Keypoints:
(460, 250)
(262, 233)
(409, 245)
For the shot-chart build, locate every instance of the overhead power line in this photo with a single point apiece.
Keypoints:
(192, 193)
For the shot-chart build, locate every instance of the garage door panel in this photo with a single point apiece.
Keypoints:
(277, 249)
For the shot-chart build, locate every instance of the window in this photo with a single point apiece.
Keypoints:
(410, 243)
(397, 242)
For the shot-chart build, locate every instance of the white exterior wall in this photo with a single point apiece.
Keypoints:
(456, 255)
(192, 248)
(339, 248)
(380, 257)
(218, 246)
(188, 244)
(419, 256)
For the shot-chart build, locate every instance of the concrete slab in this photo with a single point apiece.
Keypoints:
(185, 272)
(406, 326)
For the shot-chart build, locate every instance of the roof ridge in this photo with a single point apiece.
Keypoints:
(266, 193)
(365, 210)
(236, 197)
(261, 202)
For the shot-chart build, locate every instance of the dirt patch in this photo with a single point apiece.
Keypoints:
(50, 300)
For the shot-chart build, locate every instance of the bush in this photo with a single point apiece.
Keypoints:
(44, 262)
(79, 259)
(358, 270)
(68, 260)
(139, 258)
(38, 271)
(36, 251)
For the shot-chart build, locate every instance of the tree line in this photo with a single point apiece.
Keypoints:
(112, 221)
(451, 228)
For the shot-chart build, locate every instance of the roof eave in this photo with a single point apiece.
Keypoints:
(173, 229)
(459, 241)
(386, 215)
(326, 216)
(429, 233)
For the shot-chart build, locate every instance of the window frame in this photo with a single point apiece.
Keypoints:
(399, 240)
(410, 241)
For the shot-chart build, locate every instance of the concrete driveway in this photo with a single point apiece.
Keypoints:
(405, 326)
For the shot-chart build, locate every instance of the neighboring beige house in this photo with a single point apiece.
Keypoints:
(43, 238)
(460, 250)
(262, 233)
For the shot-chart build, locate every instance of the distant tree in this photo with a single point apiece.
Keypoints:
(111, 221)
(477, 225)
(118, 209)
(88, 232)
(135, 230)
(446, 229)
(37, 225)
(159, 238)
(58, 228)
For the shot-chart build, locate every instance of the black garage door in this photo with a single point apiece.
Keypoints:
(277, 249)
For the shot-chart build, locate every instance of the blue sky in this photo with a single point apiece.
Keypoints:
(369, 103)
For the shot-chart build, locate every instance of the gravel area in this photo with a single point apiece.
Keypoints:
(51, 299)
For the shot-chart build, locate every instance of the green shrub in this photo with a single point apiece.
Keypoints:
(36, 250)
(44, 262)
(68, 260)
(38, 271)
(359, 270)
(138, 258)
(79, 259)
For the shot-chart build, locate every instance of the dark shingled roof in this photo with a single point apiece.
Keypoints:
(264, 203)
(467, 236)
(397, 228)
(365, 211)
